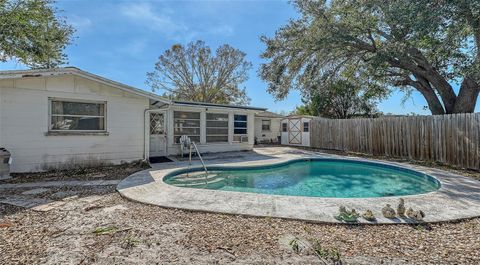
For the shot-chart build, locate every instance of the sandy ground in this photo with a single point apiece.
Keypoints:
(135, 233)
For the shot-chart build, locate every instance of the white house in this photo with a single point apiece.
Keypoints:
(60, 117)
(296, 130)
(267, 127)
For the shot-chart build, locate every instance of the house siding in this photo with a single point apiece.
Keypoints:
(267, 136)
(24, 107)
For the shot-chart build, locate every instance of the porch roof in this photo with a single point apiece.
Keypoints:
(204, 104)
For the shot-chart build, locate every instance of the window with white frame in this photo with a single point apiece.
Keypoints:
(266, 125)
(217, 127)
(186, 123)
(240, 128)
(306, 126)
(73, 115)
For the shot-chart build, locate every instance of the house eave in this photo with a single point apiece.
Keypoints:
(17, 74)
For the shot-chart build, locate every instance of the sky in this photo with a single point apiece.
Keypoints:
(121, 40)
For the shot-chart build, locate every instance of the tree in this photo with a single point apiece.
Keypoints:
(340, 100)
(419, 45)
(193, 73)
(31, 33)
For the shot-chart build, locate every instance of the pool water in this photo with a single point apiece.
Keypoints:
(334, 178)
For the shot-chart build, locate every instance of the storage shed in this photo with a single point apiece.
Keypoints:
(296, 130)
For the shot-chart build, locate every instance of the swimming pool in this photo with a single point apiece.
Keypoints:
(312, 177)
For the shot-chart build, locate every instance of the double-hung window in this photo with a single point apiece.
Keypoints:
(217, 127)
(80, 116)
(240, 128)
(186, 123)
(266, 125)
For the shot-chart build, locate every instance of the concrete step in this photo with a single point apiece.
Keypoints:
(194, 177)
(200, 183)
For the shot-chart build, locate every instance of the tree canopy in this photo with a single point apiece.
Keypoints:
(32, 33)
(425, 46)
(342, 99)
(194, 73)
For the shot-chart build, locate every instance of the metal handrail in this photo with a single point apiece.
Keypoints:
(201, 160)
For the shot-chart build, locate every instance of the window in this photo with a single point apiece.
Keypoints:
(186, 123)
(284, 127)
(217, 127)
(239, 128)
(66, 115)
(305, 126)
(266, 125)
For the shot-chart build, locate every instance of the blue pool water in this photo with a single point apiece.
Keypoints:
(311, 177)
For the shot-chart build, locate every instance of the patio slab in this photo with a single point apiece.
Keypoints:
(458, 198)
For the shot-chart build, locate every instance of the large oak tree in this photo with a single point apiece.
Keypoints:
(193, 73)
(32, 33)
(427, 46)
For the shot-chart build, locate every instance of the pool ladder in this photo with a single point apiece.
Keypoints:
(192, 144)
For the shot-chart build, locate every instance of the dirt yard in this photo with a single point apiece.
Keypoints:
(95, 225)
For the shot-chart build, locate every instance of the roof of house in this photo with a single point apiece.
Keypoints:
(15, 74)
(269, 114)
(194, 103)
(300, 116)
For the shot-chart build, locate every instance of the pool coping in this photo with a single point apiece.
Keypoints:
(457, 198)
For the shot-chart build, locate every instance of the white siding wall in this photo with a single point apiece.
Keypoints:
(174, 149)
(24, 123)
(267, 136)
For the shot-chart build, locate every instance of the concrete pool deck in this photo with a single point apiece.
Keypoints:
(458, 198)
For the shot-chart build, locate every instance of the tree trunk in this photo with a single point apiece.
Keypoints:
(467, 96)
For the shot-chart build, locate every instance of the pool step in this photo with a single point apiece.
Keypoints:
(200, 183)
(193, 176)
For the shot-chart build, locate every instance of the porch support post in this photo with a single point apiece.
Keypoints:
(230, 127)
(203, 127)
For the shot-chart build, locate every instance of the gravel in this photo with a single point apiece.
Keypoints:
(144, 234)
(148, 234)
(92, 173)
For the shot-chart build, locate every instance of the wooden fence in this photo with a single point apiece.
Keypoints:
(450, 139)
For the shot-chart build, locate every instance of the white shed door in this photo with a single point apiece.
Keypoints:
(157, 134)
(295, 131)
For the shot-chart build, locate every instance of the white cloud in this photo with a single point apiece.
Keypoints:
(224, 30)
(166, 21)
(79, 23)
(143, 13)
(135, 47)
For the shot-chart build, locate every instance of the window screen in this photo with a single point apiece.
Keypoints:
(76, 116)
(186, 123)
(217, 127)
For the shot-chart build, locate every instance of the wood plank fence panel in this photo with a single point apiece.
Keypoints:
(449, 139)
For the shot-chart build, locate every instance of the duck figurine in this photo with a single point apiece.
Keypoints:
(415, 215)
(368, 215)
(401, 208)
(388, 212)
